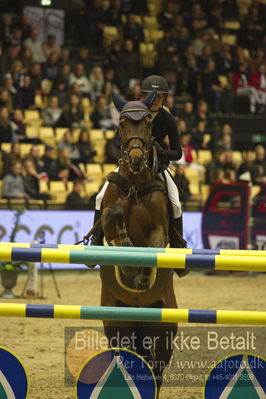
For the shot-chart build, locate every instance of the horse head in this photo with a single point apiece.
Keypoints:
(135, 130)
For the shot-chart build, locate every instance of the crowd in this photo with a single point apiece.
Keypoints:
(75, 90)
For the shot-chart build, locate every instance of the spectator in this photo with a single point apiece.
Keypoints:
(53, 112)
(247, 165)
(225, 61)
(72, 148)
(85, 148)
(75, 200)
(219, 177)
(26, 58)
(6, 99)
(50, 164)
(84, 58)
(65, 57)
(59, 91)
(177, 27)
(133, 30)
(113, 14)
(7, 134)
(16, 37)
(4, 163)
(186, 147)
(64, 74)
(242, 88)
(6, 29)
(80, 78)
(217, 163)
(50, 67)
(67, 169)
(14, 155)
(170, 104)
(225, 143)
(252, 30)
(25, 26)
(94, 20)
(206, 56)
(165, 42)
(101, 116)
(230, 9)
(35, 45)
(31, 181)
(51, 47)
(96, 81)
(258, 81)
(187, 114)
(197, 140)
(13, 185)
(168, 16)
(182, 183)
(190, 76)
(35, 72)
(34, 157)
(112, 149)
(18, 125)
(169, 67)
(9, 56)
(197, 21)
(218, 96)
(128, 67)
(73, 114)
(258, 172)
(202, 112)
(27, 94)
(17, 72)
(9, 86)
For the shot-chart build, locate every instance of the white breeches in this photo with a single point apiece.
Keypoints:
(171, 188)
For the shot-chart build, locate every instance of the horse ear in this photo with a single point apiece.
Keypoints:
(150, 98)
(118, 101)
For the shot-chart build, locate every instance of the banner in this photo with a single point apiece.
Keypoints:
(49, 21)
(225, 217)
(68, 227)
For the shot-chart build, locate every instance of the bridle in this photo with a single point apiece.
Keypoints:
(126, 150)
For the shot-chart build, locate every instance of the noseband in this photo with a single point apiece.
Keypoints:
(144, 148)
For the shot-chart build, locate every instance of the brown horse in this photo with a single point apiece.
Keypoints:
(134, 213)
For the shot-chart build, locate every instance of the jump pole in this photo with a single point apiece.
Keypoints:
(133, 314)
(188, 251)
(138, 259)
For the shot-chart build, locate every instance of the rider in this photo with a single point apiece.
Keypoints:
(163, 125)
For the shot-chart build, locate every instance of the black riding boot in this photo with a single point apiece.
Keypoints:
(176, 242)
(97, 236)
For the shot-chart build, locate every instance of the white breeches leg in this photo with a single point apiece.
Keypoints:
(253, 95)
(100, 195)
(173, 194)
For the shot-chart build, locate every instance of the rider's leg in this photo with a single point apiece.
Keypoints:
(97, 236)
(173, 196)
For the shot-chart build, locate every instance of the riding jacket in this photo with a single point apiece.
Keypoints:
(164, 124)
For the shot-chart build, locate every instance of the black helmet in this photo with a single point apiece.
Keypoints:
(154, 81)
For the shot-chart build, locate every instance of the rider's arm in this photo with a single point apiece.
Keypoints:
(175, 151)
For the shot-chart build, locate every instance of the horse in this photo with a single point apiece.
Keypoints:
(134, 212)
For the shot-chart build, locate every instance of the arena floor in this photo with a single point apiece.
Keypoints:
(40, 343)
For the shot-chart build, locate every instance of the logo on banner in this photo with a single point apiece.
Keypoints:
(239, 376)
(13, 377)
(116, 373)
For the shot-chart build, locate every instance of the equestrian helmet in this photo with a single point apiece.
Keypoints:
(154, 81)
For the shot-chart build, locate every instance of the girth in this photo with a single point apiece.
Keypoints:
(129, 189)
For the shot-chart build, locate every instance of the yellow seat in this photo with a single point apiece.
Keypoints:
(109, 134)
(194, 155)
(96, 135)
(25, 149)
(232, 25)
(75, 135)
(32, 115)
(91, 188)
(191, 173)
(57, 187)
(194, 188)
(205, 191)
(237, 157)
(156, 35)
(6, 147)
(204, 157)
(229, 39)
(38, 101)
(44, 187)
(255, 191)
(46, 86)
(108, 168)
(224, 82)
(150, 22)
(94, 170)
(1, 188)
(206, 139)
(32, 131)
(59, 133)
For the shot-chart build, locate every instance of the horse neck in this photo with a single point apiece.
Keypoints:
(144, 176)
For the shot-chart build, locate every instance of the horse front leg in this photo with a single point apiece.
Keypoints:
(114, 227)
